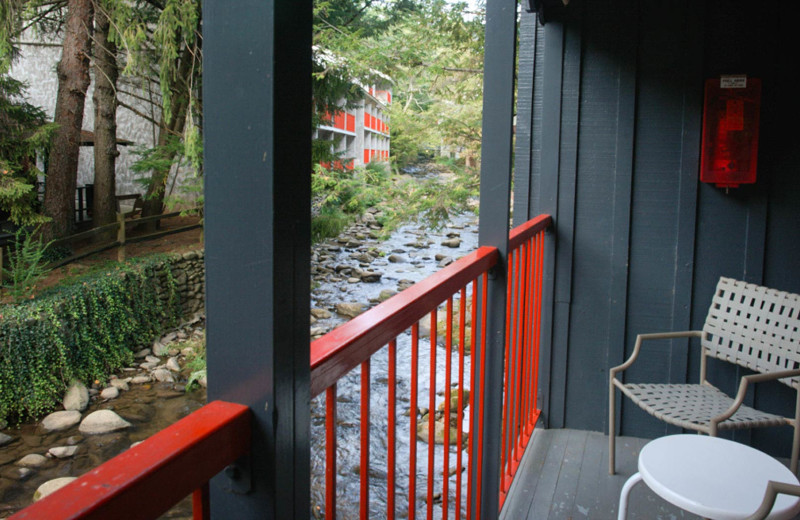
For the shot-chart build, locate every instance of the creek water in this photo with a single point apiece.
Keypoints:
(152, 407)
(417, 249)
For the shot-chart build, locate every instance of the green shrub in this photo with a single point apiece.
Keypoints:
(84, 330)
(26, 264)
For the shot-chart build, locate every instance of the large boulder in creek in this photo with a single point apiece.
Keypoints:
(102, 421)
(423, 433)
(51, 486)
(77, 397)
(59, 421)
(350, 310)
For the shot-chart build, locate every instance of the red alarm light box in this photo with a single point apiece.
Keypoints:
(729, 149)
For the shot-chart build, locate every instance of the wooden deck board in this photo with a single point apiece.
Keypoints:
(564, 476)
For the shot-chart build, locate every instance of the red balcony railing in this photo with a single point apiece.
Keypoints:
(451, 300)
(183, 457)
(158, 473)
(523, 320)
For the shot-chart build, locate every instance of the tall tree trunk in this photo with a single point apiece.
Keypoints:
(105, 122)
(73, 81)
(154, 198)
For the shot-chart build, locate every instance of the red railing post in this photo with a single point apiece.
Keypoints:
(364, 489)
(330, 451)
(392, 425)
(432, 413)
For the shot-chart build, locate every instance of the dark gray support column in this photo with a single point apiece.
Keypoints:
(623, 192)
(257, 96)
(523, 155)
(550, 391)
(498, 112)
(687, 195)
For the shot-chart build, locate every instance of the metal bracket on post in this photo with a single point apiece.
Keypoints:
(239, 476)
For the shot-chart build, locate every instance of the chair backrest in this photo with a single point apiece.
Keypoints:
(755, 327)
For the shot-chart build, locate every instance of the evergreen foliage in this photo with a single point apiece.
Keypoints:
(23, 132)
(84, 330)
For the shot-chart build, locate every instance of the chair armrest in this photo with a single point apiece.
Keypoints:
(745, 381)
(773, 490)
(644, 337)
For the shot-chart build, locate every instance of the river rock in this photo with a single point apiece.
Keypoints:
(395, 259)
(111, 392)
(120, 384)
(321, 314)
(444, 262)
(353, 280)
(63, 452)
(350, 310)
(142, 353)
(452, 242)
(404, 284)
(103, 421)
(370, 276)
(32, 460)
(63, 420)
(5, 439)
(317, 331)
(51, 486)
(152, 359)
(454, 401)
(364, 257)
(172, 364)
(77, 397)
(163, 375)
(159, 349)
(15, 473)
(138, 380)
(386, 294)
(422, 433)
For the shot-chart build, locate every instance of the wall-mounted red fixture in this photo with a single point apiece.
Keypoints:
(730, 131)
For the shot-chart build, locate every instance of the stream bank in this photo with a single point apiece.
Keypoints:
(349, 275)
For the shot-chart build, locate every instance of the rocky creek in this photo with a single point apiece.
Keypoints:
(349, 275)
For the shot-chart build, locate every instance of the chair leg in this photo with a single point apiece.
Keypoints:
(796, 437)
(612, 423)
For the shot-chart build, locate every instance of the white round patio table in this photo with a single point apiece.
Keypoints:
(711, 477)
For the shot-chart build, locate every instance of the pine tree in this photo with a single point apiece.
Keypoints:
(23, 132)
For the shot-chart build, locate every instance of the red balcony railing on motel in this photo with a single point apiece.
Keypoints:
(460, 289)
(190, 452)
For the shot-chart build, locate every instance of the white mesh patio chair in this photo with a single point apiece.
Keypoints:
(752, 326)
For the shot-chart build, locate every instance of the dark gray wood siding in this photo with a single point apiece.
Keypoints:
(608, 142)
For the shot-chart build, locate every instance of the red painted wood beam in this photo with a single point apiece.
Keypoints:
(148, 479)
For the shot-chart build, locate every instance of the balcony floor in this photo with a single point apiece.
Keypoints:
(564, 475)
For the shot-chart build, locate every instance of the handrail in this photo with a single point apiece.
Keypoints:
(345, 347)
(525, 231)
(156, 474)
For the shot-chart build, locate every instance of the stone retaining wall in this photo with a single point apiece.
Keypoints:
(188, 272)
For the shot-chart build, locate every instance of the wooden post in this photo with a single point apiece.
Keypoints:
(256, 112)
(121, 237)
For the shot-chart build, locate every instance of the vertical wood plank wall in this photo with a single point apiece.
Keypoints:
(608, 141)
